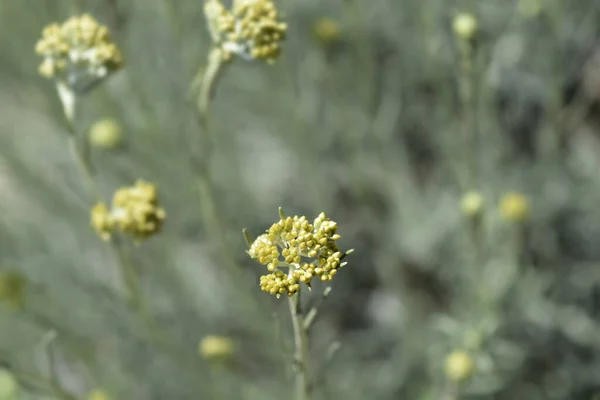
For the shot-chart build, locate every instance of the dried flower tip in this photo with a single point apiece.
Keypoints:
(105, 134)
(79, 53)
(514, 207)
(459, 366)
(251, 29)
(213, 347)
(134, 211)
(472, 204)
(465, 26)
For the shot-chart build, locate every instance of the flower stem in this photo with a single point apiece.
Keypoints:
(303, 385)
(209, 207)
(80, 151)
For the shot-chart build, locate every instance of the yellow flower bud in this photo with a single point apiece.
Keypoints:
(213, 347)
(326, 30)
(472, 204)
(105, 134)
(459, 366)
(9, 387)
(97, 395)
(514, 207)
(465, 26)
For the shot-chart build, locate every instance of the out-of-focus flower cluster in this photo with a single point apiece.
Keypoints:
(78, 53)
(135, 211)
(307, 250)
(251, 29)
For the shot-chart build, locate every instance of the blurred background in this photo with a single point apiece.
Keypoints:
(455, 143)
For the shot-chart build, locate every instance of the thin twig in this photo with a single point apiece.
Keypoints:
(310, 317)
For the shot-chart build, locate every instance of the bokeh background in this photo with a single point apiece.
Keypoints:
(378, 114)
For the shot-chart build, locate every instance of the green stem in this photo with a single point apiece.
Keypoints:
(80, 151)
(209, 209)
(303, 384)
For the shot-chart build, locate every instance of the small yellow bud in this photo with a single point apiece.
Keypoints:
(326, 30)
(9, 388)
(459, 366)
(465, 26)
(472, 204)
(97, 395)
(213, 347)
(105, 134)
(514, 207)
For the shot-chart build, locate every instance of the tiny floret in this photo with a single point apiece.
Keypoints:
(134, 211)
(78, 53)
(251, 30)
(306, 249)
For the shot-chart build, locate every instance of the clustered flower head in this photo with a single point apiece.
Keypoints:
(134, 211)
(251, 29)
(79, 53)
(306, 249)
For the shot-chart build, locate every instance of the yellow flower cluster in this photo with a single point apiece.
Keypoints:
(298, 240)
(79, 50)
(135, 211)
(251, 29)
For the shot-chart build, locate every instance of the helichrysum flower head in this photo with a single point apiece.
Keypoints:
(465, 26)
(78, 53)
(251, 29)
(134, 211)
(302, 249)
(458, 366)
(514, 207)
(105, 134)
(12, 288)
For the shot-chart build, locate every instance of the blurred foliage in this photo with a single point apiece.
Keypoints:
(378, 115)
